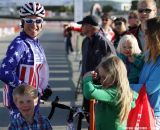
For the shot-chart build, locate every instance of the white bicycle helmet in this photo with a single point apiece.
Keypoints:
(32, 8)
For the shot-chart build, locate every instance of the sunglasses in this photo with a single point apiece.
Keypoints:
(31, 21)
(144, 11)
(118, 23)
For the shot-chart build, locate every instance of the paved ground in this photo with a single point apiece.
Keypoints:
(63, 76)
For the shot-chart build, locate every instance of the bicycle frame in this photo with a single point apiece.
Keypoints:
(73, 112)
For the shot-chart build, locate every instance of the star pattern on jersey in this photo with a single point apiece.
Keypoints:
(3, 65)
(19, 41)
(12, 47)
(6, 72)
(11, 60)
(12, 84)
(21, 54)
(11, 112)
(27, 51)
(16, 53)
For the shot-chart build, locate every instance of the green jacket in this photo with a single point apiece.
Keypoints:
(106, 109)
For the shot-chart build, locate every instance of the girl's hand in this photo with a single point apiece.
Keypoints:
(91, 73)
(94, 74)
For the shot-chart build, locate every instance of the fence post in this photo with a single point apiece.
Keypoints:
(92, 116)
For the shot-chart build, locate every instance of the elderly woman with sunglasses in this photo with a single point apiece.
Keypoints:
(133, 21)
(25, 61)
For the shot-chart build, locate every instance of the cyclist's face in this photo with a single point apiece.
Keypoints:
(32, 25)
(25, 105)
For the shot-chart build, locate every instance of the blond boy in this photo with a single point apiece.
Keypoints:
(26, 98)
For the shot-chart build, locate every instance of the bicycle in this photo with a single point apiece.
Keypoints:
(73, 112)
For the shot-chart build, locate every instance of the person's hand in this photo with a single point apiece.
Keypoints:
(91, 73)
(68, 27)
(94, 74)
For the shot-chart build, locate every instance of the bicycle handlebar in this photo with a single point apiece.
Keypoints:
(72, 110)
(62, 106)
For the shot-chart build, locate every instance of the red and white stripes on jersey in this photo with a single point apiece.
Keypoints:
(37, 78)
(29, 76)
(5, 95)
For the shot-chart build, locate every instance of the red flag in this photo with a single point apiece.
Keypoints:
(141, 117)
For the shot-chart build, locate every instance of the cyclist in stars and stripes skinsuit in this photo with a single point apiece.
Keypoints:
(25, 61)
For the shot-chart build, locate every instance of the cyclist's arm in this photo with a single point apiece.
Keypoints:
(10, 62)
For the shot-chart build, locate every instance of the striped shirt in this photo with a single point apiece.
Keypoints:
(39, 123)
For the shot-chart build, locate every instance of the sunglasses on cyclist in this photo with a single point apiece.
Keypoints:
(144, 11)
(31, 21)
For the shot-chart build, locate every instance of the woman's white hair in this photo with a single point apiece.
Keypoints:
(131, 38)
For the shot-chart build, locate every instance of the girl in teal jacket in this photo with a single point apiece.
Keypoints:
(130, 53)
(114, 97)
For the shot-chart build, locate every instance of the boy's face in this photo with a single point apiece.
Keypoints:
(25, 104)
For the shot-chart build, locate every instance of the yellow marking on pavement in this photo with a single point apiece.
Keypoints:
(59, 71)
(59, 79)
(59, 66)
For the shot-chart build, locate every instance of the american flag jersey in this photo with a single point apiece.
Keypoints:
(25, 62)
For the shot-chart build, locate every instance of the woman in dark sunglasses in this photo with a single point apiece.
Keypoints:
(25, 61)
(120, 29)
(133, 21)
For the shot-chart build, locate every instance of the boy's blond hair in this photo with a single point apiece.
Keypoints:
(25, 90)
(115, 68)
(131, 38)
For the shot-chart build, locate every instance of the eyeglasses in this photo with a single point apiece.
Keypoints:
(118, 23)
(31, 21)
(144, 11)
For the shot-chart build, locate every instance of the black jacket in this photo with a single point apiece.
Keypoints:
(94, 49)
